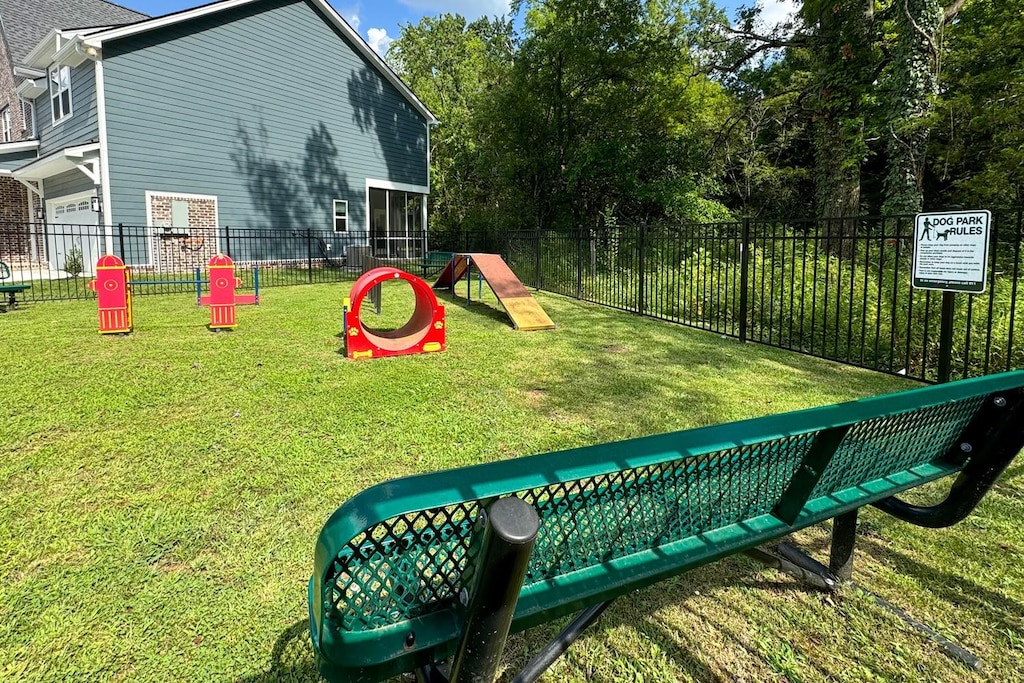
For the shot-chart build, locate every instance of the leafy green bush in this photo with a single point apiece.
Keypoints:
(74, 262)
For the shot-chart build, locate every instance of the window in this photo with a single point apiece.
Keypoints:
(28, 119)
(60, 92)
(5, 124)
(396, 228)
(340, 215)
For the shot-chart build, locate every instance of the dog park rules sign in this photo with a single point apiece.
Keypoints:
(951, 251)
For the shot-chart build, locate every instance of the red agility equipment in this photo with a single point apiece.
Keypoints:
(114, 295)
(222, 298)
(424, 333)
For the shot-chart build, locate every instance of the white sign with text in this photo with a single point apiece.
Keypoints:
(951, 251)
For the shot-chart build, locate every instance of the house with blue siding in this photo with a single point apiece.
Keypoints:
(253, 114)
(22, 25)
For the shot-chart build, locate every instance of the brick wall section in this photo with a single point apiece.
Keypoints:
(180, 253)
(15, 243)
(9, 98)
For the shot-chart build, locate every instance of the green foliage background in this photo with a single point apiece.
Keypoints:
(568, 114)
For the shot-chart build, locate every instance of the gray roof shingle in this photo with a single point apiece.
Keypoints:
(26, 22)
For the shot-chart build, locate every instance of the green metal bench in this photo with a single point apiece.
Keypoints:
(11, 290)
(433, 262)
(417, 570)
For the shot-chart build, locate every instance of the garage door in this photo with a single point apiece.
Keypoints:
(73, 241)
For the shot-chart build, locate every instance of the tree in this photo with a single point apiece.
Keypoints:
(453, 66)
(605, 114)
(978, 140)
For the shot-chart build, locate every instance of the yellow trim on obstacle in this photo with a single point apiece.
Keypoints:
(526, 314)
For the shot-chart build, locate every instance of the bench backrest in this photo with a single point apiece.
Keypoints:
(5, 271)
(617, 516)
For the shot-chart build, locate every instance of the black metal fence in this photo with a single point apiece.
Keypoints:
(806, 286)
(839, 290)
(59, 260)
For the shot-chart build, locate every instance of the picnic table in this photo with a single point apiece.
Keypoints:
(9, 290)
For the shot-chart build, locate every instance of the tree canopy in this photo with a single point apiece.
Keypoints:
(646, 110)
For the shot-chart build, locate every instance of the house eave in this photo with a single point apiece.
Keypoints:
(59, 46)
(29, 89)
(20, 146)
(42, 54)
(25, 72)
(61, 161)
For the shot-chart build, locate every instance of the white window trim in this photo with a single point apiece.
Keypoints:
(6, 125)
(388, 185)
(150, 194)
(334, 217)
(50, 93)
(29, 121)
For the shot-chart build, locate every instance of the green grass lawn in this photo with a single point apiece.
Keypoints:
(162, 492)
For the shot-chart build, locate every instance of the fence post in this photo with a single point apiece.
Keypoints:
(120, 241)
(946, 336)
(309, 255)
(536, 273)
(641, 246)
(579, 264)
(744, 277)
(227, 240)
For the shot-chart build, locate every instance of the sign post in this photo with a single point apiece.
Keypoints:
(950, 255)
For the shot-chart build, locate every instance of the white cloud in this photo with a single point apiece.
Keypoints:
(471, 9)
(351, 15)
(379, 40)
(777, 11)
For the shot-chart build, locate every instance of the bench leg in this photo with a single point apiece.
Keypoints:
(510, 530)
(844, 538)
(557, 647)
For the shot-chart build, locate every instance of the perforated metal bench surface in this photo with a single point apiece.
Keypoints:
(10, 289)
(393, 560)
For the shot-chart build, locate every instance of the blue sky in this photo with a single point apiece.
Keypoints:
(379, 21)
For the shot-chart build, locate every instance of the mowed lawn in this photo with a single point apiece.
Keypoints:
(162, 492)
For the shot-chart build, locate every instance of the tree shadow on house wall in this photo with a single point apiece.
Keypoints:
(289, 194)
(401, 131)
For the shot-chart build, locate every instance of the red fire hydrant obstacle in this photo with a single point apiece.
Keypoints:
(222, 298)
(113, 287)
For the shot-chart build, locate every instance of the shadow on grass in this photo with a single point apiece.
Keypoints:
(484, 308)
(292, 658)
(959, 593)
(639, 611)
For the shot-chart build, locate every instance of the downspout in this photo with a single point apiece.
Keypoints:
(94, 54)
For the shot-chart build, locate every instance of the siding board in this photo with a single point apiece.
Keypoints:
(69, 182)
(81, 127)
(267, 107)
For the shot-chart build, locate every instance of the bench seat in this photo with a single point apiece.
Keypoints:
(396, 559)
(11, 290)
(434, 262)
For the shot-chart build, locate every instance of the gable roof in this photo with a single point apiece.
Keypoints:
(96, 39)
(26, 22)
